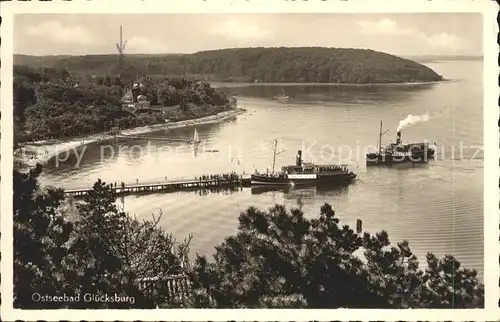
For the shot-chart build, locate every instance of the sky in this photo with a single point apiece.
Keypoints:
(399, 34)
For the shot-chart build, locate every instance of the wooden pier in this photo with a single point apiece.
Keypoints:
(169, 186)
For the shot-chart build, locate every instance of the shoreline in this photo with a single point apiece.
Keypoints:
(240, 84)
(43, 151)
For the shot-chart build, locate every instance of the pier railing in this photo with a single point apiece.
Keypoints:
(166, 180)
(172, 184)
(136, 183)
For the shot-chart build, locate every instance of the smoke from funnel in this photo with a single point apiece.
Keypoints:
(413, 119)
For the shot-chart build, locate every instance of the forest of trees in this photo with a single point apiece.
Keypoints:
(301, 64)
(52, 103)
(90, 247)
(277, 259)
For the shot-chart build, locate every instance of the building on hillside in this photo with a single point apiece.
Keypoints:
(135, 100)
(142, 103)
(137, 90)
(127, 97)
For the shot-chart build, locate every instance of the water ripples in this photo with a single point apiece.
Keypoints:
(437, 207)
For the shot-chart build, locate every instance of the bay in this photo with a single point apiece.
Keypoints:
(437, 207)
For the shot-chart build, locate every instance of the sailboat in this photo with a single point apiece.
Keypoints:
(196, 138)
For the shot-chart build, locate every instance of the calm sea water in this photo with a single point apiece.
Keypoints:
(437, 207)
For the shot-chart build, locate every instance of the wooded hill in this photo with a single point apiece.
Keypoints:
(48, 104)
(300, 64)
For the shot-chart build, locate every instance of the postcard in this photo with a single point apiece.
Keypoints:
(250, 160)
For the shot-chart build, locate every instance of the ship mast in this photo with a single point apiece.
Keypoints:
(275, 153)
(380, 137)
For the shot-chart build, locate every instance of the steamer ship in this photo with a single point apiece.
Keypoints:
(303, 173)
(396, 153)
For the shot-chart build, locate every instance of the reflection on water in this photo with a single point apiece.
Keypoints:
(300, 196)
(438, 207)
(291, 192)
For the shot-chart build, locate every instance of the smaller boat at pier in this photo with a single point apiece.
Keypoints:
(304, 173)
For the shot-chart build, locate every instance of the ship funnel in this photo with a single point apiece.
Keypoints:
(299, 158)
(398, 139)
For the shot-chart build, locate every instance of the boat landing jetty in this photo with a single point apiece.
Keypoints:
(202, 182)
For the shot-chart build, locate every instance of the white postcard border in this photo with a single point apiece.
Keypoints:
(489, 9)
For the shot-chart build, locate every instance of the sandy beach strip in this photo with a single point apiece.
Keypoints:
(42, 151)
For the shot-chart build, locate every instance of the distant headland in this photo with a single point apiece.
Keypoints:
(269, 65)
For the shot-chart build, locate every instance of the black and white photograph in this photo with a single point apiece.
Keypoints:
(174, 161)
